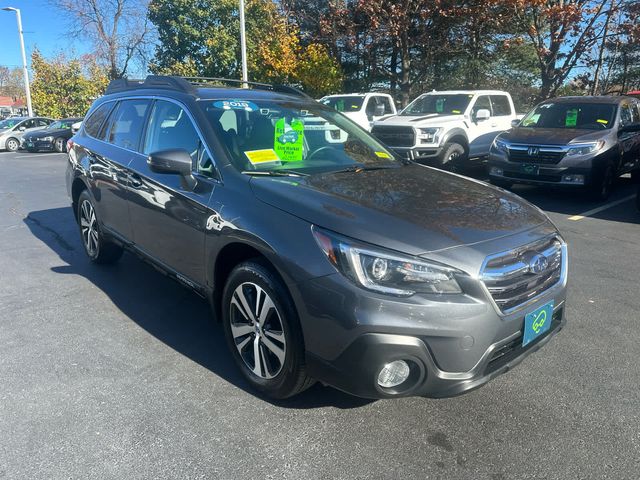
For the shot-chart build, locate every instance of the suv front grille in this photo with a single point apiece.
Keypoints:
(395, 136)
(515, 277)
(542, 155)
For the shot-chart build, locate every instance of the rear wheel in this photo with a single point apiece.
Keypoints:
(59, 145)
(263, 332)
(453, 157)
(12, 144)
(97, 247)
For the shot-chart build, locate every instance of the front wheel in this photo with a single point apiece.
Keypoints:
(59, 145)
(602, 186)
(453, 157)
(97, 247)
(263, 331)
(12, 145)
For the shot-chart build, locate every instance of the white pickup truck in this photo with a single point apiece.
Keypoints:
(447, 128)
(362, 108)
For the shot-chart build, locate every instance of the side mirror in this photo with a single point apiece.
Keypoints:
(22, 129)
(483, 114)
(175, 161)
(379, 110)
(515, 123)
(631, 128)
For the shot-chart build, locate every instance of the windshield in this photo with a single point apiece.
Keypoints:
(9, 122)
(346, 103)
(61, 124)
(587, 116)
(305, 138)
(448, 104)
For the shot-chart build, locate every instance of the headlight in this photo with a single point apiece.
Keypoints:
(586, 148)
(47, 139)
(499, 145)
(383, 271)
(429, 135)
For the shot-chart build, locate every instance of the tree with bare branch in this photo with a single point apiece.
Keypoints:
(119, 30)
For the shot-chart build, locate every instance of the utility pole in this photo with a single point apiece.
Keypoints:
(27, 90)
(243, 45)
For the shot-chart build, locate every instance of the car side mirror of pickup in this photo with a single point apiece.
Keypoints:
(631, 128)
(482, 115)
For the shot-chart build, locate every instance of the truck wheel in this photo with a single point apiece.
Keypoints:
(603, 184)
(453, 157)
(263, 331)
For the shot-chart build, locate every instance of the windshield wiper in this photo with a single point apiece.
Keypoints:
(275, 173)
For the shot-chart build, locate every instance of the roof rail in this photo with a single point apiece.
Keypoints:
(189, 84)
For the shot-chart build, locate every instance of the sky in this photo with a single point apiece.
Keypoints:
(43, 27)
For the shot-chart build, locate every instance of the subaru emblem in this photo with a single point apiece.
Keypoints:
(538, 263)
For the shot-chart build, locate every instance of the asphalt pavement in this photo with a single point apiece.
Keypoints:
(120, 373)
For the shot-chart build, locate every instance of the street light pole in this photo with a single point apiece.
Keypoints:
(27, 90)
(243, 44)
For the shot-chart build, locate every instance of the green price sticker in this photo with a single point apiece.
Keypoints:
(571, 120)
(288, 141)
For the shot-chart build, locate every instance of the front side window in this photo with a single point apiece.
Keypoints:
(626, 115)
(445, 104)
(482, 103)
(586, 116)
(42, 122)
(292, 136)
(127, 122)
(93, 124)
(27, 124)
(171, 128)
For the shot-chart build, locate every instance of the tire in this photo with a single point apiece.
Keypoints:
(500, 183)
(453, 157)
(603, 184)
(274, 333)
(12, 145)
(59, 145)
(96, 246)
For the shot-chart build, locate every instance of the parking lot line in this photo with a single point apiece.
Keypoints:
(588, 213)
(38, 155)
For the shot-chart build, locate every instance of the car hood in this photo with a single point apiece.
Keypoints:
(433, 119)
(553, 136)
(47, 133)
(413, 209)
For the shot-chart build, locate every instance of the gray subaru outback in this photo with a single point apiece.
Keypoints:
(325, 256)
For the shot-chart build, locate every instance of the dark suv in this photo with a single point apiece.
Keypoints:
(324, 256)
(583, 142)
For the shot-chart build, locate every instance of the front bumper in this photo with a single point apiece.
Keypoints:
(452, 344)
(590, 167)
(422, 154)
(35, 144)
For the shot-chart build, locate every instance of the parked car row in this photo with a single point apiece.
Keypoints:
(36, 133)
(572, 142)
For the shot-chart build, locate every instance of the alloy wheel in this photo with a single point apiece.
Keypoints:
(257, 330)
(89, 228)
(60, 145)
(12, 145)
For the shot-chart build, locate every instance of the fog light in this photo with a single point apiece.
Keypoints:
(393, 374)
(577, 179)
(496, 171)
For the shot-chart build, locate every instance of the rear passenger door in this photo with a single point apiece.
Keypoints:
(110, 149)
(168, 215)
(629, 141)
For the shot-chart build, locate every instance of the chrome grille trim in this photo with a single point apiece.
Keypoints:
(507, 278)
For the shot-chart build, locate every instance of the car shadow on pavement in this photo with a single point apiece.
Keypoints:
(170, 312)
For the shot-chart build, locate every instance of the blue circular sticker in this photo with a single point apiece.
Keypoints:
(236, 105)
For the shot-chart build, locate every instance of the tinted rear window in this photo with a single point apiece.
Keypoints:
(127, 122)
(96, 119)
